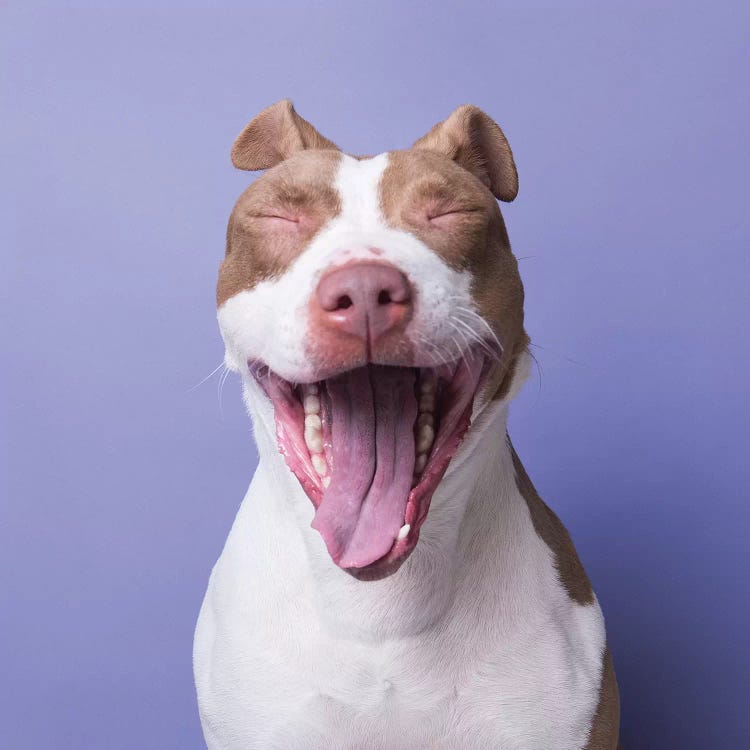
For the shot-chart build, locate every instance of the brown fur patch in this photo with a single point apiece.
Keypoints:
(418, 184)
(605, 726)
(556, 537)
(258, 247)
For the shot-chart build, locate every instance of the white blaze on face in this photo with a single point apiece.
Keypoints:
(270, 321)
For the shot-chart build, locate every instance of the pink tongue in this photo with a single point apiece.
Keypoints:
(372, 412)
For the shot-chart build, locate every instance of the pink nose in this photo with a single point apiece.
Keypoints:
(364, 299)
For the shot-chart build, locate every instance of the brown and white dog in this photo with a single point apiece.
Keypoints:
(392, 579)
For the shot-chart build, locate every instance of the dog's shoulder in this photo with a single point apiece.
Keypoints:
(554, 534)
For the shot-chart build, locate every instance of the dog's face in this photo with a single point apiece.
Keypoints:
(374, 300)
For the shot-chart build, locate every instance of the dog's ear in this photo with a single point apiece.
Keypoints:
(474, 140)
(274, 135)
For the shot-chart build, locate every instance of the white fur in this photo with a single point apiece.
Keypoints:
(474, 643)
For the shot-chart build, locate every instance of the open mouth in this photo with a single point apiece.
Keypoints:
(369, 447)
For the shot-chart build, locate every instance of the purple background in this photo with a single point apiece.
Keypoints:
(120, 480)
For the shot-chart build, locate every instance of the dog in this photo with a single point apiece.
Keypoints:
(392, 579)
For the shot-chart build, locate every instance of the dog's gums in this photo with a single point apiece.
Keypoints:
(369, 447)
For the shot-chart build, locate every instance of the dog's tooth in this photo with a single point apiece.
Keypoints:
(427, 385)
(420, 463)
(312, 388)
(311, 404)
(425, 418)
(314, 440)
(312, 421)
(425, 436)
(403, 531)
(319, 464)
(427, 402)
(326, 481)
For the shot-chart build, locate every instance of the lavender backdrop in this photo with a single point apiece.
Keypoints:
(120, 479)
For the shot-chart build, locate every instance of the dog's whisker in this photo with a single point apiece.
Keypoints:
(558, 354)
(208, 377)
(444, 356)
(538, 368)
(474, 316)
(220, 390)
(464, 341)
(473, 337)
(432, 351)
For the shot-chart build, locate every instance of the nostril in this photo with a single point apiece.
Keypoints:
(363, 296)
(344, 302)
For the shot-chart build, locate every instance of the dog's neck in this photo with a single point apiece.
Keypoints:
(474, 523)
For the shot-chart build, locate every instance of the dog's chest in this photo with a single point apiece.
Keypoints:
(449, 690)
(439, 699)
(513, 664)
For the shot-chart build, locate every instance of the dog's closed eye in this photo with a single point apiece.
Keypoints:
(447, 216)
(442, 213)
(279, 219)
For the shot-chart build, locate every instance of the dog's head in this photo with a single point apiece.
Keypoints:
(374, 300)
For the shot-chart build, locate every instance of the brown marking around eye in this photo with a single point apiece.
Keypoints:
(416, 181)
(302, 188)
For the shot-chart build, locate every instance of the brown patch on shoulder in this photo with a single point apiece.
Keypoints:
(605, 726)
(549, 527)
(259, 246)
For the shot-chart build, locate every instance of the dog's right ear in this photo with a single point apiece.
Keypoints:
(274, 135)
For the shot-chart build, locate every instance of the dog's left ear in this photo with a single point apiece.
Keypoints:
(274, 135)
(474, 140)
